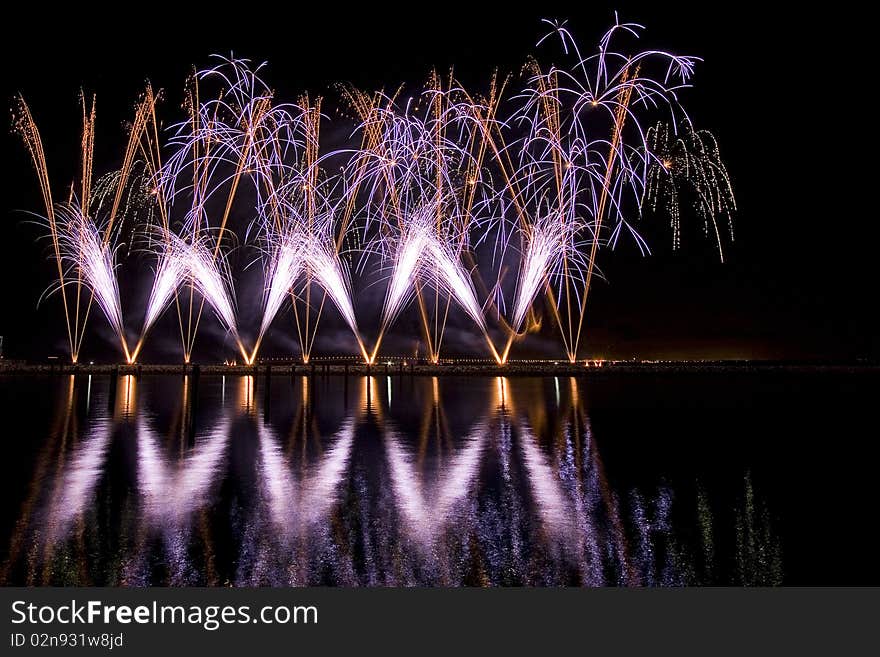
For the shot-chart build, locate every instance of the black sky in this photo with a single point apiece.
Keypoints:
(781, 92)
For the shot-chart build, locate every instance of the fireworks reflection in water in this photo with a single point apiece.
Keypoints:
(362, 481)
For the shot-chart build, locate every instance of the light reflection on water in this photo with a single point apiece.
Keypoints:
(297, 481)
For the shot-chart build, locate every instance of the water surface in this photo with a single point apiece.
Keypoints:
(406, 480)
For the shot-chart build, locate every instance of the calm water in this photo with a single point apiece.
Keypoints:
(627, 480)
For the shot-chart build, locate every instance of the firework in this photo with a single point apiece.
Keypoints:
(210, 275)
(418, 169)
(687, 164)
(329, 272)
(83, 246)
(239, 135)
(300, 253)
(75, 232)
(169, 274)
(181, 264)
(285, 267)
(553, 175)
(582, 160)
(546, 252)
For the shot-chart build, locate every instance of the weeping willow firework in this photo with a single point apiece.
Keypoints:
(545, 174)
(688, 164)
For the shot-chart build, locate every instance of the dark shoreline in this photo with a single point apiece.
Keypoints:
(400, 367)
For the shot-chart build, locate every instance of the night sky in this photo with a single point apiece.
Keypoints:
(778, 92)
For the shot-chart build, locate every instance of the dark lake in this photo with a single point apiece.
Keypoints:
(631, 480)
